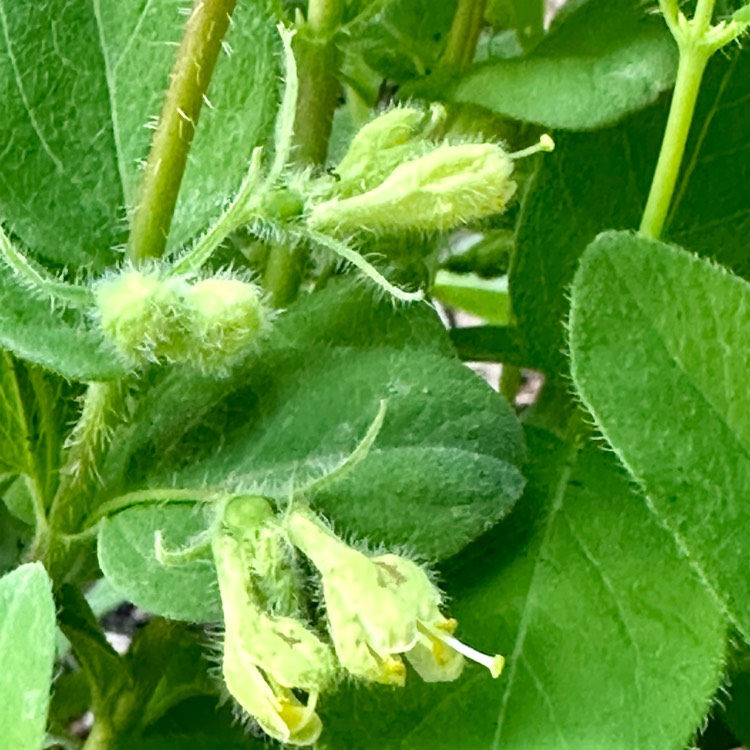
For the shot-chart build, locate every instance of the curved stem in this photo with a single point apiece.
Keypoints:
(235, 215)
(353, 257)
(39, 279)
(162, 496)
(167, 159)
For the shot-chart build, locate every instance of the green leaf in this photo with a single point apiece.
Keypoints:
(195, 741)
(198, 724)
(34, 417)
(181, 662)
(71, 698)
(582, 589)
(600, 61)
(14, 537)
(79, 81)
(735, 704)
(598, 181)
(659, 355)
(127, 558)
(525, 17)
(296, 412)
(485, 298)
(60, 340)
(27, 653)
(400, 39)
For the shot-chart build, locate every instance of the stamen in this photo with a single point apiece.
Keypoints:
(545, 144)
(494, 663)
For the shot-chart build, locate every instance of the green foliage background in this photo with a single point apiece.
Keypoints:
(598, 539)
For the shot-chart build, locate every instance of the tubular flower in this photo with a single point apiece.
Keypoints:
(380, 608)
(267, 657)
(440, 190)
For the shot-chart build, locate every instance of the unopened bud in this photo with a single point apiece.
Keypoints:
(142, 314)
(378, 148)
(226, 316)
(448, 187)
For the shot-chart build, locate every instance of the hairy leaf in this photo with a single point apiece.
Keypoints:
(524, 17)
(127, 556)
(400, 39)
(79, 80)
(599, 181)
(63, 341)
(581, 589)
(440, 472)
(659, 348)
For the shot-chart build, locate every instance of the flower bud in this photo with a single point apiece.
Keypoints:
(438, 191)
(378, 147)
(143, 314)
(226, 316)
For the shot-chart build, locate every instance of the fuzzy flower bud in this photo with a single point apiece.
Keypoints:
(380, 608)
(438, 191)
(142, 314)
(266, 658)
(150, 315)
(226, 316)
(378, 148)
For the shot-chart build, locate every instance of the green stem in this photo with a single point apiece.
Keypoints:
(317, 97)
(284, 272)
(704, 13)
(464, 34)
(191, 75)
(161, 496)
(319, 88)
(690, 71)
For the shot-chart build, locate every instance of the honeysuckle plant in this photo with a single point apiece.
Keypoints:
(230, 235)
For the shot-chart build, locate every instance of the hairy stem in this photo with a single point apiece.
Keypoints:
(284, 272)
(72, 504)
(317, 97)
(464, 34)
(166, 163)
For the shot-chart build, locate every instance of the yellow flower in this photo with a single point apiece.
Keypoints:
(380, 608)
(266, 657)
